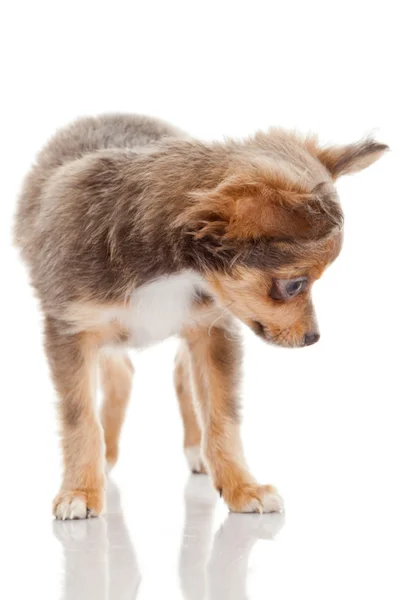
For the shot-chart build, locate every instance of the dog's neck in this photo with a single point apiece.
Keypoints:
(161, 187)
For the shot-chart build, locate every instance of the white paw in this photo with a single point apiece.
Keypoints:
(195, 462)
(270, 501)
(253, 498)
(78, 505)
(71, 509)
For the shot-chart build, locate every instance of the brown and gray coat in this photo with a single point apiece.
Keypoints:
(118, 211)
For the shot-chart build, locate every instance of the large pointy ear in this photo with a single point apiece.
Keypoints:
(244, 207)
(343, 160)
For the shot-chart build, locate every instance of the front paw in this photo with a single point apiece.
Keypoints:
(78, 504)
(253, 498)
(195, 460)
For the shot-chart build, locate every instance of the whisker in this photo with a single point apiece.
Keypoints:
(213, 323)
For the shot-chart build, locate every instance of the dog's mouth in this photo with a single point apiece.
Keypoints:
(264, 333)
(258, 328)
(282, 339)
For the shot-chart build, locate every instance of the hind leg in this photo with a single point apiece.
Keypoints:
(192, 433)
(116, 373)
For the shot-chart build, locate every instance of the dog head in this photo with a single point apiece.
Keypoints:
(270, 229)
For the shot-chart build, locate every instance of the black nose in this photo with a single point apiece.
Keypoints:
(310, 338)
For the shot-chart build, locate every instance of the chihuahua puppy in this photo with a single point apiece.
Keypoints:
(133, 232)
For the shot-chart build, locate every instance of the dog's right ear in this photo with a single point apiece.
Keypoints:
(208, 214)
(244, 206)
(248, 206)
(344, 160)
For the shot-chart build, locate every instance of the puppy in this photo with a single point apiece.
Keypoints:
(133, 232)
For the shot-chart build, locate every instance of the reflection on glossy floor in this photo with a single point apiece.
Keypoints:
(216, 566)
(100, 559)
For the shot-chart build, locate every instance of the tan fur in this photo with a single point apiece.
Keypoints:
(72, 360)
(119, 202)
(116, 378)
(215, 362)
(215, 355)
(192, 433)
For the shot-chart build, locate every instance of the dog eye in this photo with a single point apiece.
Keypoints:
(294, 287)
(284, 289)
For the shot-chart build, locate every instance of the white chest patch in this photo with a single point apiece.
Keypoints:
(159, 309)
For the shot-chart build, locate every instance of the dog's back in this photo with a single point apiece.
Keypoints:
(85, 136)
(90, 134)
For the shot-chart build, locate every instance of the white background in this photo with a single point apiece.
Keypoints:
(321, 423)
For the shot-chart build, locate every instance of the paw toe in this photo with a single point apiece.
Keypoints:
(253, 498)
(75, 505)
(272, 501)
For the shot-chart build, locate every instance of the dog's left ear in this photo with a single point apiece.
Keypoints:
(344, 160)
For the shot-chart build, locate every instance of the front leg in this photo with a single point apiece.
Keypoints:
(72, 359)
(216, 364)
